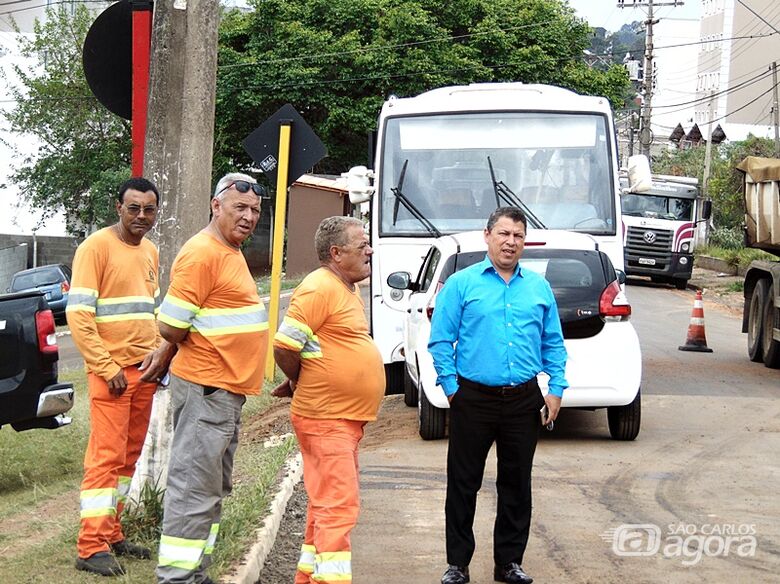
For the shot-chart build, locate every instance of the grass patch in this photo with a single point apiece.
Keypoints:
(741, 257)
(738, 286)
(39, 483)
(288, 282)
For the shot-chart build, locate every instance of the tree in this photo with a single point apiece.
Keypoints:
(84, 149)
(336, 61)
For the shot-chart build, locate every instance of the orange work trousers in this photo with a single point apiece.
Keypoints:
(330, 474)
(118, 430)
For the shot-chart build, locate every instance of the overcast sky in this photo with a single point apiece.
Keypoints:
(605, 13)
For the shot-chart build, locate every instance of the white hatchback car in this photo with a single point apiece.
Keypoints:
(604, 367)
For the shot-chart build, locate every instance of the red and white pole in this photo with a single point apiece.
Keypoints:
(142, 40)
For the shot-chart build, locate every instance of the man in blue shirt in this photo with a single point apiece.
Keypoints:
(494, 329)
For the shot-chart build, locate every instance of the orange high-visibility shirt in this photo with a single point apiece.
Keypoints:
(112, 301)
(212, 293)
(342, 375)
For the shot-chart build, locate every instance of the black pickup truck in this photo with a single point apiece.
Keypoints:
(30, 396)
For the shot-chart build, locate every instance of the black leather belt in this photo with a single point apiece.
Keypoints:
(495, 389)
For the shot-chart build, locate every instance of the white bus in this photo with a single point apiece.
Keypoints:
(447, 158)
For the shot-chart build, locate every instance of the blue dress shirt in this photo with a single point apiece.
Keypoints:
(495, 333)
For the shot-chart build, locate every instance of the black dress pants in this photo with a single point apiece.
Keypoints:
(478, 417)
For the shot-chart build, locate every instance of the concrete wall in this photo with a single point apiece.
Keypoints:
(12, 260)
(51, 249)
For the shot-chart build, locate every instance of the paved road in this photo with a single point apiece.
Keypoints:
(705, 462)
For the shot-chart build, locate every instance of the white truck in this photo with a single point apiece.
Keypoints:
(447, 158)
(761, 316)
(662, 227)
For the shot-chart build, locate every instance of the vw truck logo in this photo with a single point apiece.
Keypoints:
(649, 236)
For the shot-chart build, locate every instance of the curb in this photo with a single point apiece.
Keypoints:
(248, 571)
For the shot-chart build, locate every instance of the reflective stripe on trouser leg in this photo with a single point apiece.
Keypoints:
(330, 475)
(107, 456)
(204, 442)
(333, 567)
(307, 559)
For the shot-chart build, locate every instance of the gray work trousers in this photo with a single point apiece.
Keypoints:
(205, 425)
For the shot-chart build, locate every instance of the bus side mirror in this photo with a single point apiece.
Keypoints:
(639, 178)
(706, 209)
(359, 184)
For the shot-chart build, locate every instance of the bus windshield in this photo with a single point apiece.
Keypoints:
(557, 164)
(657, 207)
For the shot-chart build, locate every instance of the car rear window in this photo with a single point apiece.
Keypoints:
(577, 279)
(37, 278)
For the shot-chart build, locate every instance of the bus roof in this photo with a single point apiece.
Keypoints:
(484, 97)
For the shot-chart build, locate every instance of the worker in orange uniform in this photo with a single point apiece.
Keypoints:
(213, 312)
(337, 381)
(111, 313)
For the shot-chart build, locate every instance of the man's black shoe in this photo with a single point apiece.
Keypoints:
(130, 550)
(455, 575)
(511, 573)
(101, 563)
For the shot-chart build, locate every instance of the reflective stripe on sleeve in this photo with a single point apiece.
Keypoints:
(177, 313)
(293, 333)
(179, 552)
(307, 559)
(212, 539)
(82, 299)
(333, 567)
(98, 502)
(312, 349)
(227, 321)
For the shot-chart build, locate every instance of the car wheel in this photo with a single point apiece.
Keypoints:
(432, 419)
(680, 283)
(411, 395)
(771, 353)
(756, 321)
(624, 421)
(394, 378)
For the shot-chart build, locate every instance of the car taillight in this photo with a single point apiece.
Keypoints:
(432, 304)
(613, 304)
(65, 287)
(47, 336)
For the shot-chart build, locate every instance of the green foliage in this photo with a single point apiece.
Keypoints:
(142, 519)
(336, 61)
(739, 257)
(725, 183)
(82, 145)
(727, 237)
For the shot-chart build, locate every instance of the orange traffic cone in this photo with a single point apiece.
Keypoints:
(696, 340)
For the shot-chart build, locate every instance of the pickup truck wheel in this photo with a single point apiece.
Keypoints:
(771, 356)
(410, 389)
(394, 378)
(624, 421)
(756, 321)
(432, 419)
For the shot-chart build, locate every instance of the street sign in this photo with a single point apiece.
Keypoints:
(107, 58)
(306, 149)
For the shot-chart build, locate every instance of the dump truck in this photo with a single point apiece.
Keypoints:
(761, 315)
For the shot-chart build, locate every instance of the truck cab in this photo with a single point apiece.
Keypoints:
(662, 226)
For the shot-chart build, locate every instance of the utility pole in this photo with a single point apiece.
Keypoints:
(645, 132)
(708, 148)
(178, 159)
(775, 109)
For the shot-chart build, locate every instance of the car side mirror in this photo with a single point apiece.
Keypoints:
(400, 280)
(621, 277)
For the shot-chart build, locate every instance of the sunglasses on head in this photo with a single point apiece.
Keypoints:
(243, 186)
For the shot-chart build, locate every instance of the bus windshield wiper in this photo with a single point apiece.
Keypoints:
(504, 194)
(401, 198)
